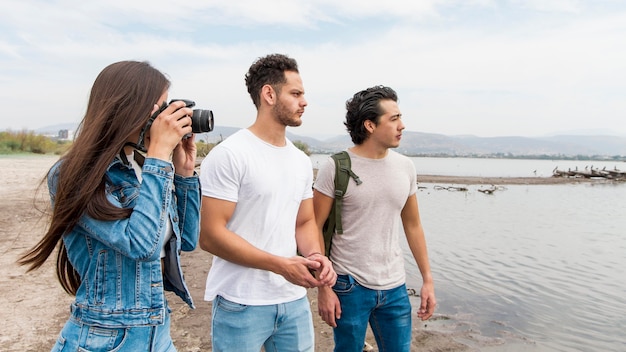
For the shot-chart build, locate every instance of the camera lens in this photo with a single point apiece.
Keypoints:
(201, 121)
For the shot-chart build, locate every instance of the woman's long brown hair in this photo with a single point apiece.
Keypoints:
(121, 99)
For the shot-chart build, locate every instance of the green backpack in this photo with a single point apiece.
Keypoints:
(343, 172)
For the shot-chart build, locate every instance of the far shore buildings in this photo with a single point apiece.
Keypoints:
(65, 135)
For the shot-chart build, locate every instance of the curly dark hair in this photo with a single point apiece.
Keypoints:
(268, 70)
(363, 106)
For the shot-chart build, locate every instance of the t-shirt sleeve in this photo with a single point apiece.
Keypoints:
(412, 176)
(325, 181)
(220, 175)
(308, 191)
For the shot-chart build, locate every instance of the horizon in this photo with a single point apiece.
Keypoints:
(485, 68)
(593, 146)
(53, 129)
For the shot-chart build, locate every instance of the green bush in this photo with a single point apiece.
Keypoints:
(302, 146)
(29, 142)
(203, 148)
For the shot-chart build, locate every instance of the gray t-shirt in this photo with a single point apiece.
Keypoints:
(369, 248)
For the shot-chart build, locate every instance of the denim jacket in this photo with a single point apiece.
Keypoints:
(122, 281)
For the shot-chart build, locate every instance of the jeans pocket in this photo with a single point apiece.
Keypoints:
(345, 284)
(224, 304)
(103, 339)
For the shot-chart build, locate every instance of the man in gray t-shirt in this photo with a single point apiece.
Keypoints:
(367, 257)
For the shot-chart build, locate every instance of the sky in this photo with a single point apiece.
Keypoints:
(460, 67)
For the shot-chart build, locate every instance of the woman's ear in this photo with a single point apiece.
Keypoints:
(155, 108)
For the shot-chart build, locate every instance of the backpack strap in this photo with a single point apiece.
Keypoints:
(343, 172)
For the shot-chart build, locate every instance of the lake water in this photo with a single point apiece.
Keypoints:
(529, 267)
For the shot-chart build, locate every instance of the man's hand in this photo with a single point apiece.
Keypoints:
(428, 301)
(328, 305)
(325, 273)
(297, 271)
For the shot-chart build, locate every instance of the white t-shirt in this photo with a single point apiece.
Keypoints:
(369, 247)
(268, 183)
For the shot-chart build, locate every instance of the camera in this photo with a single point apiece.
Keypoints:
(201, 120)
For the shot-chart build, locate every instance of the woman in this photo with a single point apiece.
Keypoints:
(121, 217)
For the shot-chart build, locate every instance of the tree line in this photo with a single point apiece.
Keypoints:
(14, 142)
(29, 142)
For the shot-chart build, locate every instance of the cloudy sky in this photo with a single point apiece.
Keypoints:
(480, 67)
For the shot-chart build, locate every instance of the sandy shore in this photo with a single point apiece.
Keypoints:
(36, 307)
(472, 180)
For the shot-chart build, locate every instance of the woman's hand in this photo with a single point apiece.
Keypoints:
(168, 129)
(184, 157)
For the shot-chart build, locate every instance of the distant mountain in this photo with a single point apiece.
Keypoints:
(594, 144)
(419, 143)
(568, 145)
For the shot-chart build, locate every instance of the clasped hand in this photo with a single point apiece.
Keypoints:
(314, 271)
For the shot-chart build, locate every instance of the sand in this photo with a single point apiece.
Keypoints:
(36, 307)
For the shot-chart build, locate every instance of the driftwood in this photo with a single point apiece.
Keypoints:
(591, 172)
(492, 189)
(451, 188)
(488, 190)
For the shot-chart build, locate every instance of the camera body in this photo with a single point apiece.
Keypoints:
(201, 120)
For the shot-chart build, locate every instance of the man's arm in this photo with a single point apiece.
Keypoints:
(217, 239)
(328, 305)
(417, 243)
(307, 239)
(322, 205)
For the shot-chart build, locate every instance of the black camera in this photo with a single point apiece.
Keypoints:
(201, 120)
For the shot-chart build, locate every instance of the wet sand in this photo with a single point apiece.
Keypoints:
(472, 180)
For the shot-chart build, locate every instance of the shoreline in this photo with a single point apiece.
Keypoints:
(421, 178)
(479, 180)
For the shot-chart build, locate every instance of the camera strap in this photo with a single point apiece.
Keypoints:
(142, 135)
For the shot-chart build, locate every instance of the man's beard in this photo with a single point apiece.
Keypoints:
(284, 116)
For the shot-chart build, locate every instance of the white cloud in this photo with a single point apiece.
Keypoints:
(550, 5)
(482, 67)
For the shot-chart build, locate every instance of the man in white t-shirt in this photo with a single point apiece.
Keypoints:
(257, 214)
(368, 258)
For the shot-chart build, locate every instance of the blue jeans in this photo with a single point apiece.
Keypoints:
(387, 311)
(277, 327)
(77, 336)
